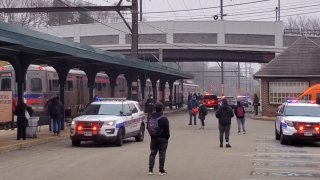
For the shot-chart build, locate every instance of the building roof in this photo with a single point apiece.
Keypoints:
(301, 59)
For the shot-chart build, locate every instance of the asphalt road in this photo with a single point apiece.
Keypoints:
(192, 154)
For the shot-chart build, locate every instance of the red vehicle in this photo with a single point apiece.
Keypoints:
(210, 101)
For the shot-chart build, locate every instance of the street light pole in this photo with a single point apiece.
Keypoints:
(278, 10)
(221, 9)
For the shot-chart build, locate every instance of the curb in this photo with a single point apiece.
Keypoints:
(31, 142)
(262, 118)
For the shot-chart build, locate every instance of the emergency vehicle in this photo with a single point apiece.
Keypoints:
(109, 120)
(297, 120)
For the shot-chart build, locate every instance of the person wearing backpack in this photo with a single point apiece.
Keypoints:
(239, 112)
(203, 111)
(158, 128)
(56, 112)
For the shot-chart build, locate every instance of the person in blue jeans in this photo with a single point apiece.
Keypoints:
(56, 113)
(193, 103)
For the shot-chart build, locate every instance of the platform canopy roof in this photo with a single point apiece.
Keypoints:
(16, 40)
(300, 60)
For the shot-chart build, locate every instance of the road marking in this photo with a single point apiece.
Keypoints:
(268, 169)
(278, 160)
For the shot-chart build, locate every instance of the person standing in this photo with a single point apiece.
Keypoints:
(240, 112)
(203, 111)
(224, 114)
(158, 128)
(23, 113)
(56, 113)
(256, 104)
(149, 105)
(192, 104)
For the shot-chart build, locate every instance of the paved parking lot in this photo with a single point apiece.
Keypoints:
(192, 154)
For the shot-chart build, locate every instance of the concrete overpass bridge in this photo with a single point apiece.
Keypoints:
(174, 41)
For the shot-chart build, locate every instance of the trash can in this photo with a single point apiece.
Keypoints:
(31, 130)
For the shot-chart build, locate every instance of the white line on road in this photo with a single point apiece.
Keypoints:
(283, 153)
(294, 170)
(276, 160)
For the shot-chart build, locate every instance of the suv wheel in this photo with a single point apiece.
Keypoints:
(140, 136)
(282, 139)
(120, 136)
(76, 143)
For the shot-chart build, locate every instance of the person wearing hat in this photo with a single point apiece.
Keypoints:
(149, 105)
(224, 114)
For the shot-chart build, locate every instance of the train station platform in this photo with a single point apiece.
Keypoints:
(9, 142)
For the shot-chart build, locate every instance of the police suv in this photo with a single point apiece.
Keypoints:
(109, 120)
(296, 120)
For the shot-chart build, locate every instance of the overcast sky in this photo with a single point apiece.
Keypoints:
(254, 10)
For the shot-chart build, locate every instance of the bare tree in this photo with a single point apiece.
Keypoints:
(25, 19)
(303, 25)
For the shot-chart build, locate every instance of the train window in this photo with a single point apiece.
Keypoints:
(69, 85)
(104, 85)
(50, 85)
(36, 85)
(6, 84)
(55, 85)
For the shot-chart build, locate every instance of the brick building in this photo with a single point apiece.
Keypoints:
(289, 74)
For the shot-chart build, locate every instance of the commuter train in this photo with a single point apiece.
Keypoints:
(42, 84)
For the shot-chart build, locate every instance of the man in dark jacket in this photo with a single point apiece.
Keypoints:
(159, 142)
(224, 114)
(56, 110)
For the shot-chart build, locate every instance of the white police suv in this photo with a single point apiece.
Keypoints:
(109, 120)
(296, 120)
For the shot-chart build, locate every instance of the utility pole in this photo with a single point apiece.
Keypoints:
(246, 68)
(222, 80)
(140, 10)
(134, 35)
(239, 74)
(221, 9)
(278, 10)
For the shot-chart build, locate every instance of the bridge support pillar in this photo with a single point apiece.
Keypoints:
(170, 96)
(91, 74)
(132, 84)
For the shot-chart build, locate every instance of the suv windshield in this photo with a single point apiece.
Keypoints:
(210, 97)
(103, 109)
(302, 111)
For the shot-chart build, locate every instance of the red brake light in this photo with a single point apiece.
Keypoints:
(317, 128)
(80, 128)
(301, 128)
(94, 128)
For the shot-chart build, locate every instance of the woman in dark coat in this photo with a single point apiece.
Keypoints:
(22, 121)
(203, 111)
(256, 104)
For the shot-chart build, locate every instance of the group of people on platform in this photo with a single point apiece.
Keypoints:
(224, 114)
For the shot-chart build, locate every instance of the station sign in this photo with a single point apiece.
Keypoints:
(5, 106)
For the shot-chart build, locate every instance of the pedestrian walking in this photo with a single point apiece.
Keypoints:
(240, 114)
(224, 114)
(256, 104)
(23, 113)
(149, 105)
(193, 110)
(158, 128)
(56, 113)
(203, 111)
